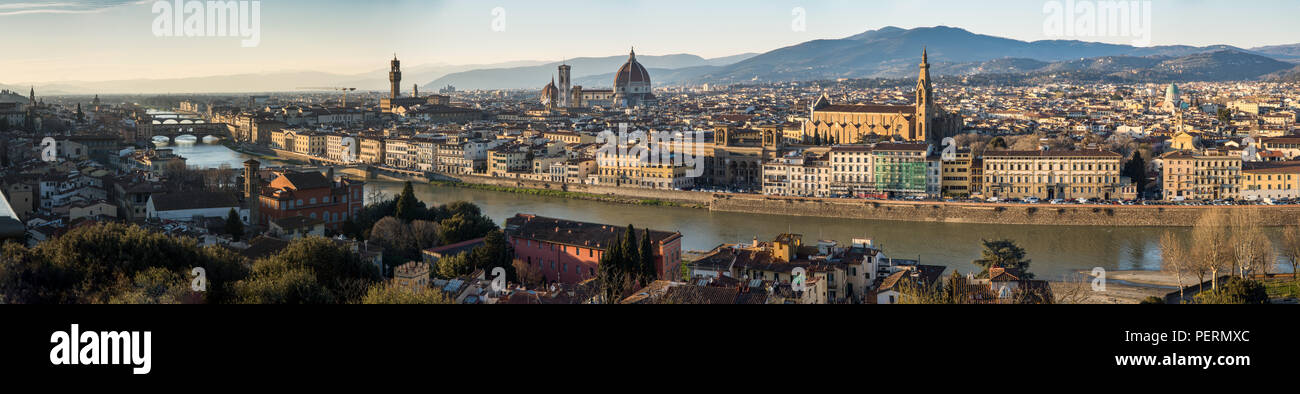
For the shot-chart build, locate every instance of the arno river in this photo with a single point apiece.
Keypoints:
(1056, 251)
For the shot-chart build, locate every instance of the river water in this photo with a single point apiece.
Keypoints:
(1057, 251)
(204, 155)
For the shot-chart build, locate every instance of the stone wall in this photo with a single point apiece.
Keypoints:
(1016, 214)
(1068, 215)
(627, 192)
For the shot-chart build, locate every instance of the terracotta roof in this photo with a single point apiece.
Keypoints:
(194, 200)
(1052, 153)
(568, 232)
(307, 180)
(870, 108)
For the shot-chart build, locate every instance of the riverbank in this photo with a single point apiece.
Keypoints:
(271, 156)
(567, 194)
(886, 210)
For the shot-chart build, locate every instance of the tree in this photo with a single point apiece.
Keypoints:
(1174, 259)
(1212, 245)
(397, 240)
(1005, 254)
(630, 261)
(1136, 169)
(309, 271)
(389, 294)
(108, 262)
(408, 207)
(649, 273)
(1235, 291)
(997, 143)
(1152, 300)
(495, 253)
(611, 275)
(234, 225)
(1225, 115)
(454, 266)
(1252, 250)
(1291, 249)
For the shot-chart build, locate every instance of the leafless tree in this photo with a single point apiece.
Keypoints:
(1212, 249)
(1291, 249)
(1175, 259)
(391, 233)
(425, 233)
(1251, 247)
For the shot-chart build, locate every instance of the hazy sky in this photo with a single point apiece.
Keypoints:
(56, 40)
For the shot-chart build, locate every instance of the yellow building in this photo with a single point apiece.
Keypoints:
(1261, 181)
(957, 175)
(1212, 175)
(1052, 174)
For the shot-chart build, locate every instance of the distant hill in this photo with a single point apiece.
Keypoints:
(1281, 52)
(280, 81)
(893, 52)
(1288, 75)
(583, 68)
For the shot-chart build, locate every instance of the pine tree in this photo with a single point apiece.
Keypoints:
(234, 226)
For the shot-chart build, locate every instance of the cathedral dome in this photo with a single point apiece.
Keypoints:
(632, 72)
(550, 93)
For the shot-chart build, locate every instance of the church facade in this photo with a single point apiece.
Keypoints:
(848, 124)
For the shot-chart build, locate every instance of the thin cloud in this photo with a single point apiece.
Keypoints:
(64, 6)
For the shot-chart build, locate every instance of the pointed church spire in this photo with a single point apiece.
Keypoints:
(633, 54)
(925, 55)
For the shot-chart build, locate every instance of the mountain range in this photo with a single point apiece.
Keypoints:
(889, 52)
(892, 52)
(587, 71)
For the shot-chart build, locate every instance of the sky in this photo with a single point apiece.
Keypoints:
(98, 40)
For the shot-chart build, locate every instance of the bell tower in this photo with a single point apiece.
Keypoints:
(565, 86)
(395, 77)
(924, 100)
(252, 196)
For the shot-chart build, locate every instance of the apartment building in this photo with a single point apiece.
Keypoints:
(1261, 181)
(1053, 174)
(852, 170)
(1210, 175)
(801, 176)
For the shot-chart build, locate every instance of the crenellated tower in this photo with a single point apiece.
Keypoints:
(395, 77)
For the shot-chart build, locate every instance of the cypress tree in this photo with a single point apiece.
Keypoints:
(611, 277)
(631, 259)
(234, 226)
(648, 271)
(406, 204)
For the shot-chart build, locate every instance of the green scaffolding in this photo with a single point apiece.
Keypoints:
(900, 175)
